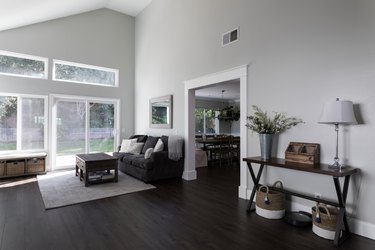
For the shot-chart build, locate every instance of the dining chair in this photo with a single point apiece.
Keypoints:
(235, 149)
(223, 150)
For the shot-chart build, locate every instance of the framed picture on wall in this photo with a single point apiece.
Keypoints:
(161, 112)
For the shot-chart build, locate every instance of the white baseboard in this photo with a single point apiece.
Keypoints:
(358, 227)
(189, 175)
(243, 193)
(362, 228)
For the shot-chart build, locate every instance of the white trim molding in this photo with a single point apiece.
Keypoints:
(190, 87)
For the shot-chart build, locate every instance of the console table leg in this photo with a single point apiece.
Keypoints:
(256, 182)
(342, 227)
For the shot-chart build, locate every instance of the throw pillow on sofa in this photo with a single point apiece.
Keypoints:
(164, 138)
(126, 143)
(135, 148)
(159, 146)
(140, 138)
(148, 153)
(150, 143)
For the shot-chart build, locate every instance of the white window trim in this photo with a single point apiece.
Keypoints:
(54, 98)
(19, 122)
(32, 57)
(87, 66)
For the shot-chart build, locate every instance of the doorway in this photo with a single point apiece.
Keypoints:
(82, 125)
(238, 73)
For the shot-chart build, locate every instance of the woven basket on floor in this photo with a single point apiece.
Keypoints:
(270, 204)
(324, 221)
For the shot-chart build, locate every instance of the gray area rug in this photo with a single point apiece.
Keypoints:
(64, 188)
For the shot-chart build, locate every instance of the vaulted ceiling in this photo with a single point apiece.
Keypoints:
(17, 13)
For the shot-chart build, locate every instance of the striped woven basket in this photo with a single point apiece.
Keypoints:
(270, 204)
(324, 220)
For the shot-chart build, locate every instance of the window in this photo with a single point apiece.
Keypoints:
(82, 73)
(205, 121)
(82, 125)
(22, 123)
(16, 64)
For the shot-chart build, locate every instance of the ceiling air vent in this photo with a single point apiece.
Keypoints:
(230, 37)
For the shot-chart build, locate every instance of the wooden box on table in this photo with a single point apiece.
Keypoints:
(302, 152)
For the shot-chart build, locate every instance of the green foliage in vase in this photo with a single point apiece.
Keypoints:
(261, 123)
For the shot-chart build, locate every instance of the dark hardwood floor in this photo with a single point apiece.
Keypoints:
(201, 214)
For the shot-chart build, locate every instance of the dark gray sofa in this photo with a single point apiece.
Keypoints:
(157, 167)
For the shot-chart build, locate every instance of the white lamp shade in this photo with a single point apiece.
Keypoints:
(340, 112)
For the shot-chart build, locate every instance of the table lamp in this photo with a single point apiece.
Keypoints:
(337, 112)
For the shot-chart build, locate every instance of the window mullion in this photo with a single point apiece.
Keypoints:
(19, 124)
(204, 121)
(87, 127)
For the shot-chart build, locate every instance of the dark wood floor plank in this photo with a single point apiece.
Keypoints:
(201, 214)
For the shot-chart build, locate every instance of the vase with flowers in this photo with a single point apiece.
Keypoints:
(267, 127)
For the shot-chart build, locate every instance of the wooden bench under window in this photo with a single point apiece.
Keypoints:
(20, 164)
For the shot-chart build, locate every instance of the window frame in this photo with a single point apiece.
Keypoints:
(55, 98)
(19, 123)
(87, 66)
(26, 56)
(205, 121)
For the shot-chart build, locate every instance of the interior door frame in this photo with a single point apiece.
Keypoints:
(190, 87)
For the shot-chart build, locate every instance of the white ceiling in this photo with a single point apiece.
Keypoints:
(17, 13)
(214, 92)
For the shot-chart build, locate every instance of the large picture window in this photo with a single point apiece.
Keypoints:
(16, 64)
(83, 73)
(22, 123)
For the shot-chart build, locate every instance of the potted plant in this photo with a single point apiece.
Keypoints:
(267, 126)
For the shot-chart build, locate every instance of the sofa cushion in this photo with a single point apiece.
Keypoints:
(135, 148)
(128, 158)
(126, 143)
(119, 155)
(164, 139)
(159, 146)
(150, 143)
(140, 138)
(141, 162)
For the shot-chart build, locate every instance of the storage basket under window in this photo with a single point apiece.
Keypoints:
(324, 221)
(270, 204)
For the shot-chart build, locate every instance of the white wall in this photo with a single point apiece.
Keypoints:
(103, 38)
(301, 53)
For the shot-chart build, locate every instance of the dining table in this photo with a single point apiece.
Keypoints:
(213, 141)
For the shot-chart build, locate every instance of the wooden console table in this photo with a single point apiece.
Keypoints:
(342, 227)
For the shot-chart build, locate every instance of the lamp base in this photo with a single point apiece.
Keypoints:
(336, 165)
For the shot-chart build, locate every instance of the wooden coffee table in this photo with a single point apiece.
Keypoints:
(87, 163)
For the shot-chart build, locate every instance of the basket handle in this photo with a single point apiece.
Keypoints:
(317, 217)
(266, 200)
(278, 182)
(262, 186)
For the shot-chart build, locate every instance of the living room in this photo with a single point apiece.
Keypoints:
(298, 55)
